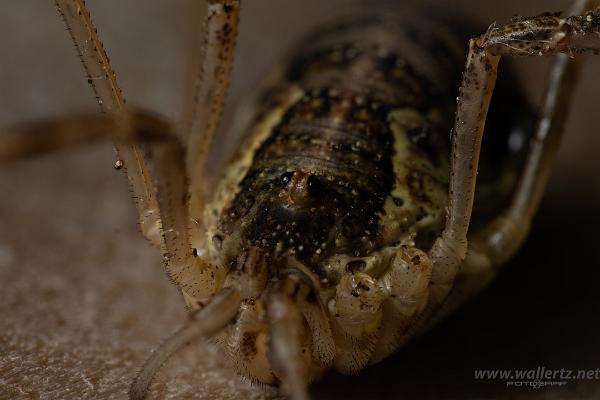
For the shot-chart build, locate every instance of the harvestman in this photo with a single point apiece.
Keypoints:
(179, 156)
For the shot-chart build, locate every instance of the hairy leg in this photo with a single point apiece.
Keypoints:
(501, 238)
(103, 81)
(210, 59)
(537, 36)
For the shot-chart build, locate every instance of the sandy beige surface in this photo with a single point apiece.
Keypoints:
(83, 298)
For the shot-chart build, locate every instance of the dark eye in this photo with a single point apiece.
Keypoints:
(314, 185)
(286, 177)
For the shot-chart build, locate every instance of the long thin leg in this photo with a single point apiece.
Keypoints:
(192, 274)
(493, 245)
(208, 83)
(505, 234)
(450, 248)
(103, 81)
(546, 34)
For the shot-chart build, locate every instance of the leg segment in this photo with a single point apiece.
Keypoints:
(450, 248)
(505, 234)
(546, 34)
(193, 275)
(500, 239)
(103, 81)
(208, 80)
(203, 108)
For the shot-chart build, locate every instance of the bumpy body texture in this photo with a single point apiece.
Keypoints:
(342, 181)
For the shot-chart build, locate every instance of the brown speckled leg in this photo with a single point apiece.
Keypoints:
(208, 85)
(542, 35)
(209, 68)
(493, 245)
(450, 248)
(505, 234)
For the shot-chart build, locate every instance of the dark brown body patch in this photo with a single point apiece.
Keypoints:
(318, 183)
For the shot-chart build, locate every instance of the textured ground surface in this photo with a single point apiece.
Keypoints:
(82, 295)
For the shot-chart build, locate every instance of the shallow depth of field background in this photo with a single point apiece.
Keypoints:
(83, 298)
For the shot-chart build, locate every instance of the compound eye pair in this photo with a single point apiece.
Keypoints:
(313, 183)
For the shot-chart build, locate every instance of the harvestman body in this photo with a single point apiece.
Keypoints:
(340, 229)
